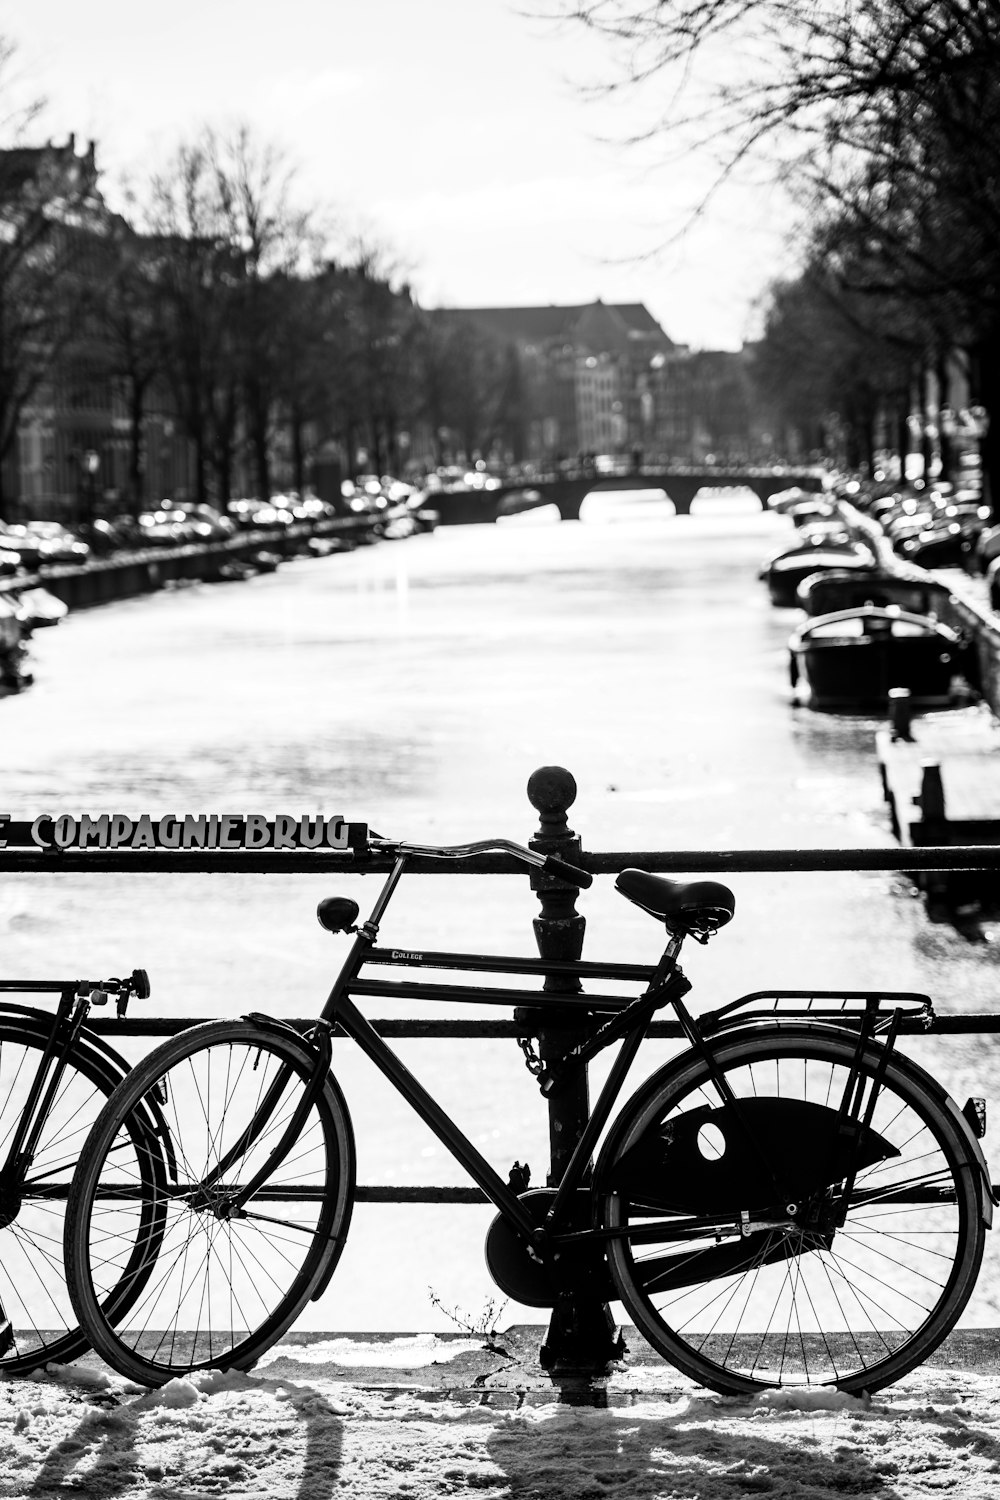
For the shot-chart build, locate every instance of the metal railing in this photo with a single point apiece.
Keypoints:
(41, 847)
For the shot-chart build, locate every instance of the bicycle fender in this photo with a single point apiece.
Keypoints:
(41, 1020)
(931, 1085)
(271, 1023)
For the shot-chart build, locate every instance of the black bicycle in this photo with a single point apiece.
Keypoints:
(56, 1074)
(790, 1200)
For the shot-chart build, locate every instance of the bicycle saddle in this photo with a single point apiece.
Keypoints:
(705, 905)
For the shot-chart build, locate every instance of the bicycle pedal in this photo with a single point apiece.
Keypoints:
(974, 1110)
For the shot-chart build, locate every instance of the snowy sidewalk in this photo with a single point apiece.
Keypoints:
(428, 1415)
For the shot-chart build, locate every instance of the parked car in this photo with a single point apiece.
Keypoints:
(159, 528)
(202, 523)
(251, 514)
(109, 534)
(18, 542)
(55, 543)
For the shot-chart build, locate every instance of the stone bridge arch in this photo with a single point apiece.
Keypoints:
(568, 491)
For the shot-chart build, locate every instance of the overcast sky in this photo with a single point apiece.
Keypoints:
(454, 132)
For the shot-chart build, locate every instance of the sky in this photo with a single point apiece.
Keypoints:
(456, 134)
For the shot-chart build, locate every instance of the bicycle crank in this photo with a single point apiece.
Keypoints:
(569, 1268)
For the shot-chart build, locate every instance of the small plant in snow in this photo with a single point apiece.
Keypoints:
(482, 1327)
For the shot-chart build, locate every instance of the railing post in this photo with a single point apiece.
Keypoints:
(581, 1330)
(938, 886)
(901, 713)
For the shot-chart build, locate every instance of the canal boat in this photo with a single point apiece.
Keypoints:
(785, 500)
(834, 589)
(15, 669)
(850, 659)
(35, 608)
(784, 573)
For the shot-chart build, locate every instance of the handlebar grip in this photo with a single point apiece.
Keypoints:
(564, 871)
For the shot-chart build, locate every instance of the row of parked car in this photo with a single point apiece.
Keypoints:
(33, 545)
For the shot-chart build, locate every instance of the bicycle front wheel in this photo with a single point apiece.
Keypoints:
(756, 1245)
(34, 1183)
(231, 1272)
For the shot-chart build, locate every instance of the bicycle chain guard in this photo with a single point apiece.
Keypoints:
(706, 1161)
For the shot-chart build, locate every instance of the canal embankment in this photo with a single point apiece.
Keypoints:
(125, 574)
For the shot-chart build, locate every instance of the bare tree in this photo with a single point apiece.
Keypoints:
(132, 333)
(198, 274)
(373, 329)
(836, 364)
(885, 112)
(271, 238)
(470, 384)
(49, 210)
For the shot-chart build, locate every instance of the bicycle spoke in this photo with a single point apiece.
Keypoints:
(219, 1278)
(853, 1293)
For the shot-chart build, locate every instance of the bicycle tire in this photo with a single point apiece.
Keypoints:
(33, 1290)
(855, 1307)
(217, 1297)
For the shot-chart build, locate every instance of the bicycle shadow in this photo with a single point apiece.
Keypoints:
(106, 1441)
(620, 1450)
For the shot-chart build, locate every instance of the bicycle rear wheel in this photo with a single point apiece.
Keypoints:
(228, 1279)
(34, 1190)
(853, 1281)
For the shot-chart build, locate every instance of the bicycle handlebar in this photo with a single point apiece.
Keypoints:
(99, 992)
(563, 870)
(550, 863)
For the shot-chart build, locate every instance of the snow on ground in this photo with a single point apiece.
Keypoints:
(78, 1431)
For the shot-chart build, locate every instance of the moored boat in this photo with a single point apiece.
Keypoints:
(37, 607)
(15, 670)
(784, 573)
(850, 659)
(833, 589)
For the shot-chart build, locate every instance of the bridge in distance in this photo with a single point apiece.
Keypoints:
(568, 490)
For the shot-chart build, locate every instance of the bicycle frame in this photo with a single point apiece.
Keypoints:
(628, 1020)
(67, 1022)
(623, 1018)
(664, 982)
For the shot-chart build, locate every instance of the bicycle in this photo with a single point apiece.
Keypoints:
(790, 1200)
(56, 1074)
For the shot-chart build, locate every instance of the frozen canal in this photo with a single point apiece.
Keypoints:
(415, 686)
